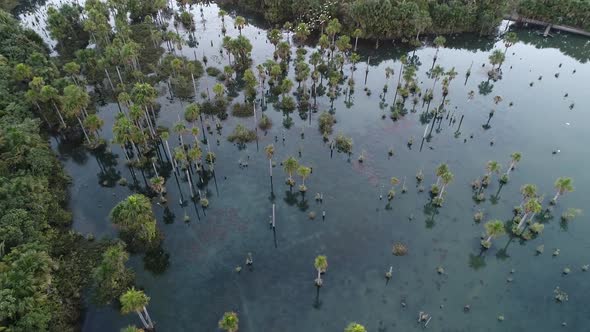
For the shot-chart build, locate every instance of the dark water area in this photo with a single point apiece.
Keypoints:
(357, 234)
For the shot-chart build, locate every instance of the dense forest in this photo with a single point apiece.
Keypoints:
(389, 19)
(44, 266)
(568, 12)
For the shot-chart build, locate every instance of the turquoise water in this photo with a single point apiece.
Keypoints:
(278, 293)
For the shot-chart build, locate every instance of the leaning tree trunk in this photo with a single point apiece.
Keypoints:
(522, 221)
(149, 319)
(145, 324)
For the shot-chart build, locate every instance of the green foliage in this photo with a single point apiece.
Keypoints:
(265, 122)
(111, 277)
(355, 327)
(242, 135)
(343, 144)
(229, 322)
(326, 122)
(136, 219)
(567, 12)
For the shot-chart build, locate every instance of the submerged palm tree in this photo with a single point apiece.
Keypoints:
(563, 185)
(240, 23)
(229, 322)
(321, 265)
(303, 172)
(516, 156)
(446, 178)
(290, 165)
(531, 207)
(494, 228)
(492, 167)
(270, 152)
(136, 300)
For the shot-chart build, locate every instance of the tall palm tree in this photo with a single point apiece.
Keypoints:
(563, 185)
(321, 265)
(304, 173)
(532, 206)
(74, 101)
(355, 327)
(515, 158)
(439, 42)
(440, 170)
(222, 13)
(270, 152)
(496, 59)
(493, 167)
(494, 228)
(510, 39)
(240, 23)
(229, 322)
(356, 34)
(290, 166)
(446, 178)
(136, 300)
(302, 32)
(93, 124)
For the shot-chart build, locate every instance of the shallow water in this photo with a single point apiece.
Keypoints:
(357, 234)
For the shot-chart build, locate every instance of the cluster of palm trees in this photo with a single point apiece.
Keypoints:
(444, 177)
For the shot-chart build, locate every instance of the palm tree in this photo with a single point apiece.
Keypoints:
(446, 178)
(191, 114)
(158, 184)
(563, 185)
(229, 322)
(135, 216)
(492, 167)
(74, 101)
(528, 191)
(136, 300)
(436, 73)
(302, 32)
(304, 172)
(440, 170)
(333, 28)
(222, 14)
(356, 34)
(516, 156)
(496, 58)
(394, 182)
(240, 23)
(321, 265)
(510, 39)
(355, 327)
(93, 123)
(494, 228)
(270, 152)
(439, 42)
(532, 206)
(287, 27)
(131, 328)
(290, 165)
(274, 36)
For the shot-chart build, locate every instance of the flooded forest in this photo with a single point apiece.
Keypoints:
(262, 166)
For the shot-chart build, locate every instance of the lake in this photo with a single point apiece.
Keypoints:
(359, 228)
